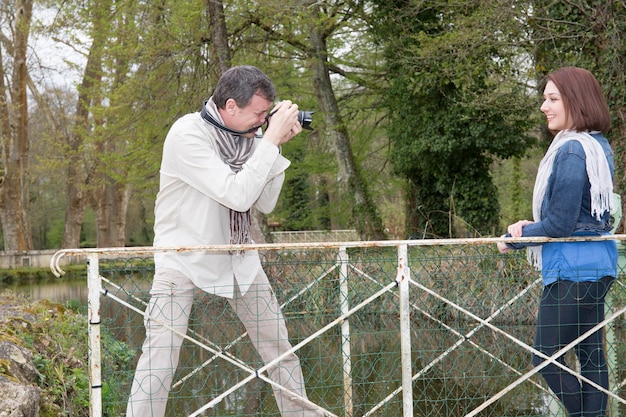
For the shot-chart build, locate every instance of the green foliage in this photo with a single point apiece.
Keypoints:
(515, 180)
(305, 197)
(117, 358)
(318, 189)
(456, 101)
(58, 339)
(59, 344)
(54, 234)
(588, 34)
(452, 81)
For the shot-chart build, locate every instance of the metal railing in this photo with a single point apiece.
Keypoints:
(385, 328)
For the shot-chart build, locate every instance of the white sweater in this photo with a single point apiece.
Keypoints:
(197, 191)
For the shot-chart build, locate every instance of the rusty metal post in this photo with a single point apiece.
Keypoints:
(95, 361)
(342, 258)
(402, 280)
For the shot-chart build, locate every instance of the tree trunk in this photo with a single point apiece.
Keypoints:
(99, 203)
(110, 203)
(368, 223)
(219, 35)
(78, 177)
(75, 204)
(122, 194)
(15, 185)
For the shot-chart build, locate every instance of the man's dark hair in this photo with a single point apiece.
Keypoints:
(241, 84)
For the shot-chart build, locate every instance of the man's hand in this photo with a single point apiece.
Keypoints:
(283, 125)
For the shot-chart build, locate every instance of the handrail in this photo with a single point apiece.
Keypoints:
(56, 269)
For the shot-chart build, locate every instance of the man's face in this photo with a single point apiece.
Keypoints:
(245, 118)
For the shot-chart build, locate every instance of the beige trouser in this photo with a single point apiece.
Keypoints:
(171, 300)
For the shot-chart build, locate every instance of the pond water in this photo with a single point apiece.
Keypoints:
(60, 290)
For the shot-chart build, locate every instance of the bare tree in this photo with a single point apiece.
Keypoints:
(368, 223)
(219, 34)
(79, 166)
(318, 23)
(14, 183)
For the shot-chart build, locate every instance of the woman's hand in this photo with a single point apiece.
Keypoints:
(502, 247)
(515, 229)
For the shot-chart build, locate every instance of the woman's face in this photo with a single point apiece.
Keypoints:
(554, 109)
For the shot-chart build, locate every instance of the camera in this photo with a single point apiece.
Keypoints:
(305, 117)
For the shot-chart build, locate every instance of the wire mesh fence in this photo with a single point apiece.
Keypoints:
(466, 318)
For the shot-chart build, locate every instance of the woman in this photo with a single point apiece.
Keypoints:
(572, 197)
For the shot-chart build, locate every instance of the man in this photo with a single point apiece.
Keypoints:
(216, 165)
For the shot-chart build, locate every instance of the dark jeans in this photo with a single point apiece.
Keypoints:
(567, 310)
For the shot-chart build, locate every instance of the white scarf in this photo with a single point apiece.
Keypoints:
(234, 151)
(598, 172)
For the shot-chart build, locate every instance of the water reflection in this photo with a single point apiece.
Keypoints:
(60, 290)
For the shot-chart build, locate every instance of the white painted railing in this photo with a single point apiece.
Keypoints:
(409, 284)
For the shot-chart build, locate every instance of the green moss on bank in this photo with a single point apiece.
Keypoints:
(57, 337)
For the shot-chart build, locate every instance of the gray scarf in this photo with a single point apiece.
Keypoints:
(234, 151)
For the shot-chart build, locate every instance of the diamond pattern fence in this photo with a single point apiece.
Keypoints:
(398, 328)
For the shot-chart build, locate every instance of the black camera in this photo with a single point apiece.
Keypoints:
(305, 117)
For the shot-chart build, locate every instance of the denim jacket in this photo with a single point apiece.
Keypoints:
(566, 211)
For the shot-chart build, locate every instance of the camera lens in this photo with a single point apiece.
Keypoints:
(305, 117)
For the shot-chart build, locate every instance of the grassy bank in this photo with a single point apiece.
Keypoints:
(56, 335)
